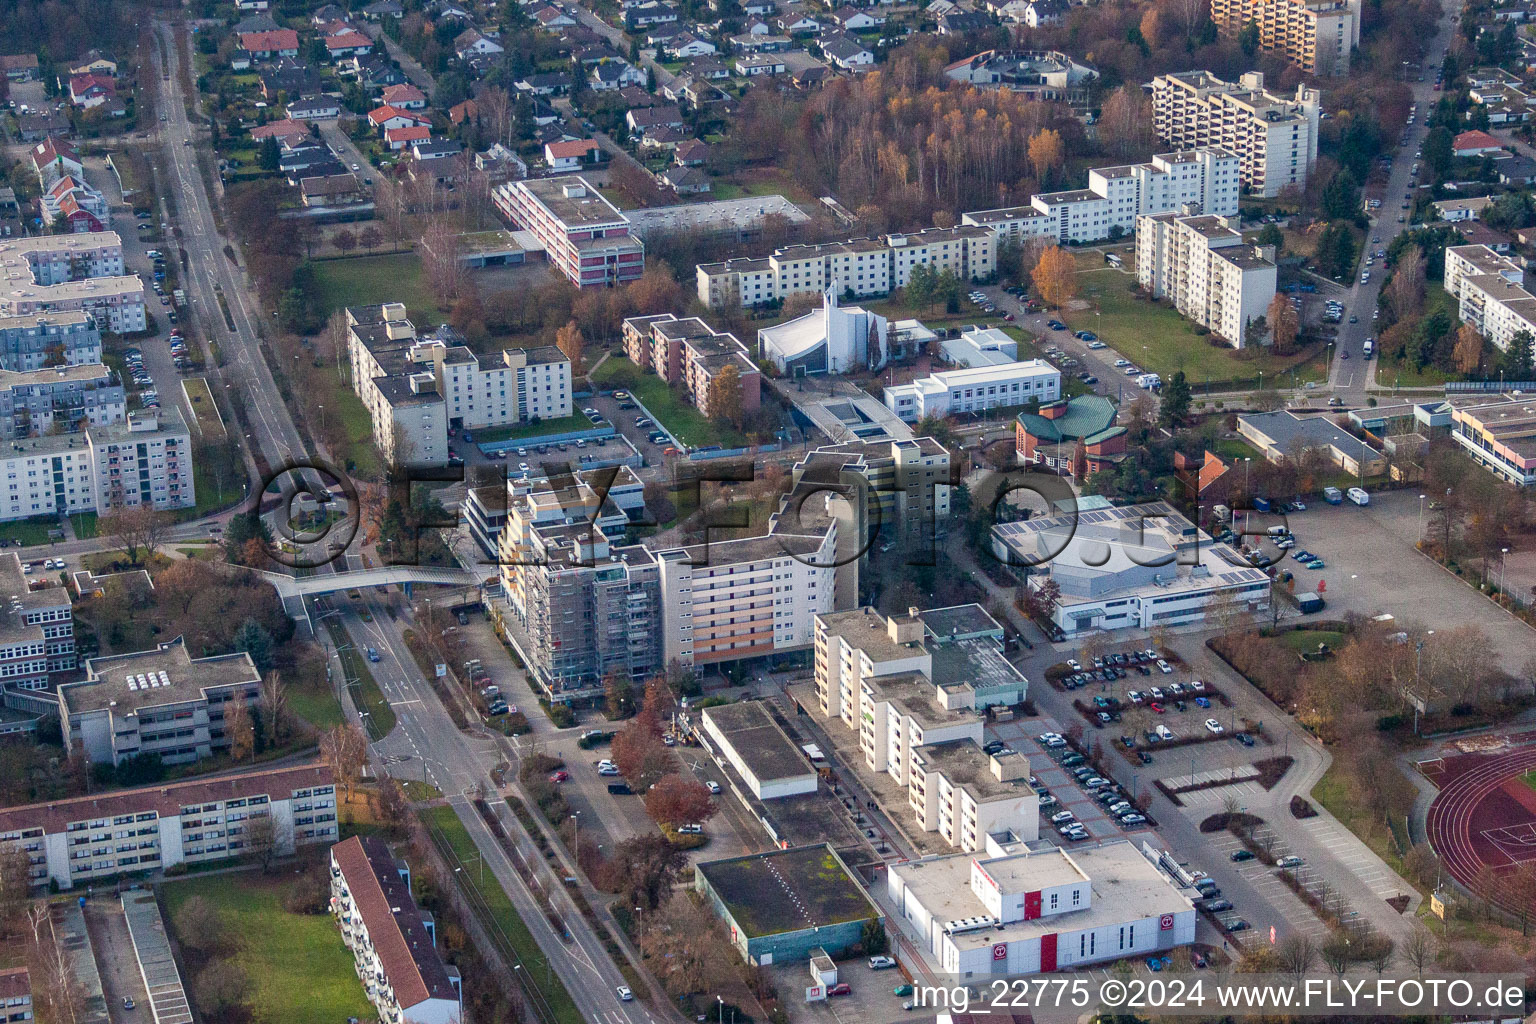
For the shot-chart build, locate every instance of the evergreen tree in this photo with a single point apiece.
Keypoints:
(253, 638)
(1175, 400)
(270, 155)
(1515, 363)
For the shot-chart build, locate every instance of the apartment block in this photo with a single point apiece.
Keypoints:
(84, 840)
(1274, 139)
(1315, 35)
(1499, 433)
(393, 941)
(1491, 291)
(162, 702)
(586, 604)
(1203, 265)
(860, 267)
(34, 402)
(73, 273)
(896, 488)
(690, 353)
(31, 342)
(1195, 181)
(745, 597)
(37, 630)
(911, 687)
(585, 237)
(145, 459)
(420, 391)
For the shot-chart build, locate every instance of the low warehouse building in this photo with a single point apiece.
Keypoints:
(752, 742)
(1037, 910)
(781, 905)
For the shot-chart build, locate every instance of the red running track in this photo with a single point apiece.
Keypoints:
(1473, 799)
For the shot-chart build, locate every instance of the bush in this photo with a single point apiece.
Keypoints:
(310, 893)
(1302, 808)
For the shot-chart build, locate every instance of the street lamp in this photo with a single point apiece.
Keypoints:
(1418, 658)
(1503, 565)
(1421, 521)
(576, 817)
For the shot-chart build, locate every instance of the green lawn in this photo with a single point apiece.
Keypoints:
(564, 425)
(1157, 338)
(364, 280)
(1306, 640)
(685, 422)
(506, 924)
(299, 970)
(316, 705)
(1529, 778)
(85, 524)
(365, 691)
(29, 531)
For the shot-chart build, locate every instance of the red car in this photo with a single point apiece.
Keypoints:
(842, 988)
(560, 776)
(1157, 707)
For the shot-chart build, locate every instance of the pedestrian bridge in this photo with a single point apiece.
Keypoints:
(405, 575)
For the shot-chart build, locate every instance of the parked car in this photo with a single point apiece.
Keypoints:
(842, 988)
(1290, 861)
(881, 963)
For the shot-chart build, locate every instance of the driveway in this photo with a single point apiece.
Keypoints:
(115, 959)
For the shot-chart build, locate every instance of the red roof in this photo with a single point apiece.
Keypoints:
(167, 800)
(576, 148)
(1476, 140)
(379, 115)
(405, 93)
(460, 112)
(263, 42)
(51, 149)
(280, 129)
(79, 84)
(410, 133)
(348, 40)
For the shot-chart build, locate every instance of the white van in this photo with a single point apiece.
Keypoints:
(1358, 496)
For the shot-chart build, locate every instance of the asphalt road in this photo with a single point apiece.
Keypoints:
(458, 765)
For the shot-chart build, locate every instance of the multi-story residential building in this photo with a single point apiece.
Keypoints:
(585, 236)
(32, 402)
(1048, 75)
(1134, 567)
(143, 460)
(84, 273)
(586, 605)
(31, 342)
(905, 487)
(37, 630)
(1196, 180)
(1315, 35)
(1275, 139)
(989, 377)
(690, 353)
(1492, 294)
(745, 597)
(15, 995)
(859, 267)
(1499, 432)
(83, 840)
(1020, 910)
(1212, 275)
(393, 941)
(911, 687)
(421, 391)
(161, 702)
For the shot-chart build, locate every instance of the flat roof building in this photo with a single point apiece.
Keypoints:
(585, 236)
(780, 905)
(1204, 266)
(767, 761)
(1039, 908)
(1499, 433)
(1317, 36)
(83, 273)
(1282, 434)
(27, 342)
(1274, 139)
(1492, 293)
(37, 630)
(1134, 567)
(975, 389)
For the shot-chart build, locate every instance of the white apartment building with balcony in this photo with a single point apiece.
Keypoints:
(84, 840)
(1274, 139)
(37, 629)
(84, 273)
(1318, 36)
(393, 941)
(1194, 180)
(29, 342)
(1202, 263)
(1492, 293)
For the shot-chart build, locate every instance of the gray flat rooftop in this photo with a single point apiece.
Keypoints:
(788, 890)
(864, 629)
(185, 679)
(958, 620)
(758, 740)
(966, 764)
(588, 207)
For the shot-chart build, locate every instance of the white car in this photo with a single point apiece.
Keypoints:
(1164, 667)
(712, 786)
(625, 995)
(1292, 861)
(881, 963)
(1214, 727)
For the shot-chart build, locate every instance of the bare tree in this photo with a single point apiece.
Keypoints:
(15, 883)
(1419, 949)
(263, 841)
(239, 729)
(134, 528)
(274, 702)
(1337, 953)
(346, 751)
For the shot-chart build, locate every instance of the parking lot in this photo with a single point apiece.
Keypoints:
(1373, 568)
(871, 999)
(622, 413)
